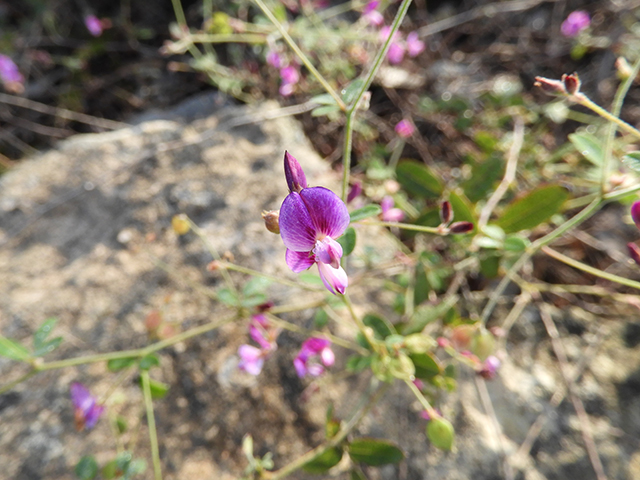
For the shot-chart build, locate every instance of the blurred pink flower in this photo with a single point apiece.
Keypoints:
(305, 362)
(395, 53)
(10, 75)
(575, 23)
(390, 214)
(86, 408)
(404, 128)
(93, 24)
(252, 358)
(274, 59)
(371, 15)
(415, 46)
(290, 76)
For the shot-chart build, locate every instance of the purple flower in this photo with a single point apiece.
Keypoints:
(371, 15)
(290, 76)
(634, 252)
(93, 24)
(310, 221)
(306, 362)
(354, 192)
(252, 358)
(405, 128)
(87, 411)
(390, 214)
(274, 59)
(415, 46)
(635, 213)
(395, 54)
(490, 367)
(575, 23)
(9, 72)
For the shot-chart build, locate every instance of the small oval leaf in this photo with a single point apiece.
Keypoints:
(86, 468)
(417, 179)
(120, 363)
(374, 452)
(365, 212)
(589, 146)
(325, 461)
(440, 432)
(12, 349)
(348, 241)
(533, 209)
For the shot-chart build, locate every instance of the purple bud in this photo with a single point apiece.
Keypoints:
(273, 59)
(87, 411)
(371, 6)
(390, 214)
(93, 24)
(9, 72)
(571, 83)
(271, 221)
(490, 367)
(461, 227)
(356, 190)
(550, 86)
(634, 252)
(395, 53)
(294, 174)
(575, 23)
(404, 128)
(446, 212)
(635, 213)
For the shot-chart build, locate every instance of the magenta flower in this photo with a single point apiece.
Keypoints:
(307, 363)
(371, 15)
(634, 252)
(354, 192)
(93, 24)
(274, 59)
(390, 214)
(289, 76)
(415, 46)
(310, 221)
(9, 72)
(490, 367)
(252, 358)
(404, 128)
(635, 213)
(86, 408)
(575, 23)
(395, 54)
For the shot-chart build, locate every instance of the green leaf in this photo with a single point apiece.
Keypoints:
(254, 300)
(417, 179)
(589, 146)
(348, 241)
(483, 176)
(357, 363)
(324, 110)
(120, 363)
(490, 265)
(325, 461)
(86, 468)
(158, 389)
(149, 361)
(632, 161)
(121, 424)
(47, 347)
(349, 94)
(440, 432)
(110, 470)
(321, 318)
(43, 332)
(382, 328)
(367, 211)
(374, 452)
(255, 286)
(426, 365)
(310, 278)
(515, 243)
(533, 209)
(462, 209)
(228, 297)
(356, 475)
(324, 99)
(423, 315)
(13, 350)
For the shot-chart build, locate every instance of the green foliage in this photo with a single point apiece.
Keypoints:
(589, 146)
(13, 350)
(374, 452)
(440, 432)
(324, 462)
(533, 209)
(348, 241)
(418, 179)
(365, 212)
(86, 468)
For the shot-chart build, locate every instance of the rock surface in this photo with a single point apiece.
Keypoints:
(86, 237)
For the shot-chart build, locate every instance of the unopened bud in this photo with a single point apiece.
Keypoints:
(461, 227)
(440, 432)
(635, 213)
(461, 336)
(419, 343)
(571, 83)
(623, 68)
(355, 191)
(490, 367)
(446, 212)
(402, 367)
(550, 86)
(294, 174)
(153, 320)
(272, 221)
(213, 266)
(180, 224)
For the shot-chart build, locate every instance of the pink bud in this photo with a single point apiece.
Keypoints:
(634, 252)
(415, 46)
(404, 128)
(93, 24)
(635, 213)
(575, 23)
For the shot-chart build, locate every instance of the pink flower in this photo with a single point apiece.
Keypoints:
(10, 75)
(575, 23)
(415, 46)
(290, 76)
(634, 252)
(86, 408)
(395, 54)
(371, 15)
(93, 24)
(490, 367)
(306, 362)
(310, 221)
(274, 59)
(355, 191)
(390, 214)
(404, 128)
(635, 213)
(252, 358)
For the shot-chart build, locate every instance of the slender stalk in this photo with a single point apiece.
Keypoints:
(588, 269)
(351, 111)
(423, 401)
(616, 107)
(361, 326)
(582, 99)
(256, 273)
(17, 381)
(153, 435)
(405, 226)
(303, 58)
(182, 23)
(365, 405)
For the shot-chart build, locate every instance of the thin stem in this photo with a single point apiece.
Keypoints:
(361, 326)
(593, 271)
(582, 99)
(348, 132)
(256, 273)
(616, 107)
(405, 226)
(153, 435)
(365, 405)
(303, 58)
(17, 381)
(182, 23)
(423, 401)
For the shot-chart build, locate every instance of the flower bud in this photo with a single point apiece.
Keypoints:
(272, 221)
(550, 86)
(635, 213)
(623, 68)
(180, 224)
(571, 83)
(461, 227)
(404, 128)
(294, 174)
(440, 432)
(446, 212)
(490, 367)
(634, 252)
(402, 367)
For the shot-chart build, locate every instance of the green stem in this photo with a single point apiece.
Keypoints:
(303, 58)
(365, 405)
(10, 385)
(616, 107)
(405, 226)
(361, 326)
(348, 134)
(582, 99)
(593, 271)
(256, 273)
(153, 435)
(182, 23)
(423, 401)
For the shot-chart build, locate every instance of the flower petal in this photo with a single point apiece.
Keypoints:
(298, 261)
(296, 227)
(251, 359)
(335, 279)
(293, 172)
(329, 214)
(328, 251)
(327, 356)
(300, 366)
